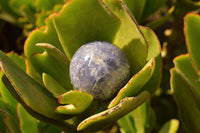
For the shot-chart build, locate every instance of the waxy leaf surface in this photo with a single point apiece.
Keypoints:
(75, 27)
(28, 124)
(77, 102)
(53, 62)
(33, 94)
(52, 85)
(192, 32)
(187, 107)
(107, 117)
(141, 120)
(185, 68)
(135, 84)
(129, 36)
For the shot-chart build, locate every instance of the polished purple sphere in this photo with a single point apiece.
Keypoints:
(100, 69)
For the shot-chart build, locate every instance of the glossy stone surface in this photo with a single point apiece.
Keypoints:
(100, 69)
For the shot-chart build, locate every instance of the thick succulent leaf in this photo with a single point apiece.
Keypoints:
(33, 94)
(44, 35)
(5, 109)
(77, 102)
(28, 124)
(52, 85)
(192, 32)
(11, 126)
(61, 124)
(42, 16)
(187, 107)
(19, 60)
(136, 7)
(170, 127)
(135, 84)
(5, 94)
(141, 120)
(185, 68)
(153, 52)
(9, 118)
(53, 62)
(107, 117)
(75, 28)
(46, 5)
(129, 37)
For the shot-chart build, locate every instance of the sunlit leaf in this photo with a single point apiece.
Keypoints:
(192, 32)
(107, 117)
(27, 122)
(187, 107)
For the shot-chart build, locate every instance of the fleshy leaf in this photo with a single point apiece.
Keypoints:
(10, 124)
(75, 28)
(28, 124)
(107, 117)
(61, 124)
(170, 127)
(9, 118)
(136, 7)
(192, 32)
(185, 68)
(52, 85)
(187, 108)
(77, 102)
(46, 5)
(153, 52)
(129, 36)
(33, 94)
(53, 62)
(43, 35)
(134, 85)
(141, 120)
(5, 94)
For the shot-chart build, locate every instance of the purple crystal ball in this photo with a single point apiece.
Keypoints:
(100, 69)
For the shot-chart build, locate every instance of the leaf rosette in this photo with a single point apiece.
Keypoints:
(45, 90)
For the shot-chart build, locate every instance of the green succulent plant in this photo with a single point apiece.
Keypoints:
(28, 14)
(185, 76)
(14, 118)
(45, 89)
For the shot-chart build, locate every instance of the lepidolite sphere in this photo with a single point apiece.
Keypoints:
(100, 69)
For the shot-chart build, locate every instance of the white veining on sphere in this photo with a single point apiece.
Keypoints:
(100, 69)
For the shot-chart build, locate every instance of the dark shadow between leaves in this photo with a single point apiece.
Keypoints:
(136, 53)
